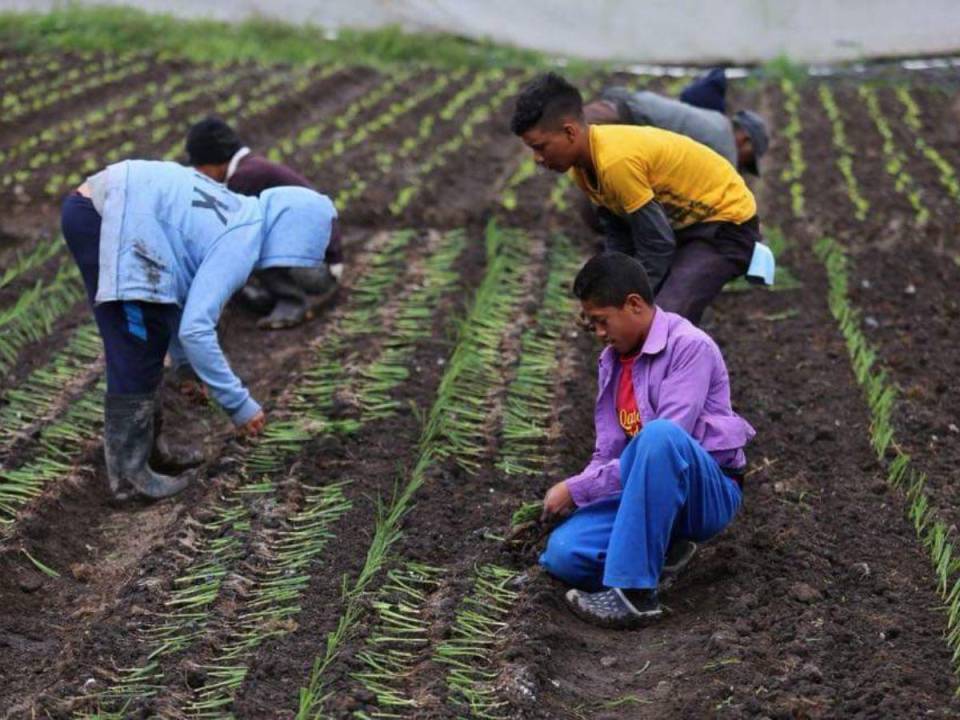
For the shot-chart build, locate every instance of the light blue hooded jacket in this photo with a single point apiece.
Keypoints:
(170, 234)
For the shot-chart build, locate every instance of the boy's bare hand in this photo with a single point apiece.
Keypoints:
(253, 426)
(557, 502)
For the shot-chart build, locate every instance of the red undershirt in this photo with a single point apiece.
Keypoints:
(628, 412)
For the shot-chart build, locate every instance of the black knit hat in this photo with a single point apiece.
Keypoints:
(211, 142)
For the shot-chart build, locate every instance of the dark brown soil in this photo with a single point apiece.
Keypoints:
(818, 601)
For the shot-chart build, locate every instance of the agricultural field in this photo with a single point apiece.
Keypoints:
(361, 559)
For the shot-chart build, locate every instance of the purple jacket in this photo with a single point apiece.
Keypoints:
(680, 376)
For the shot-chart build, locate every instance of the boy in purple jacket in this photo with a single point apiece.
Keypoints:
(668, 466)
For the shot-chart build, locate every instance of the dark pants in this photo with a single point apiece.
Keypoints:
(708, 91)
(709, 255)
(135, 334)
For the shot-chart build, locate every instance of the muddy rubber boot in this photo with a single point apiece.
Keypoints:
(165, 458)
(291, 306)
(127, 440)
(256, 299)
(320, 283)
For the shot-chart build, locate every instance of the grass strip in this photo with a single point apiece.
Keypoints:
(119, 29)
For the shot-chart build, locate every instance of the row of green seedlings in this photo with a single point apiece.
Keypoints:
(167, 127)
(147, 108)
(31, 69)
(470, 650)
(273, 592)
(14, 102)
(845, 152)
(115, 70)
(293, 146)
(365, 132)
(36, 311)
(478, 116)
(274, 608)
(895, 160)
(59, 143)
(792, 174)
(937, 538)
(450, 429)
(266, 99)
(34, 400)
(155, 101)
(224, 539)
(24, 261)
(911, 118)
(529, 407)
(387, 155)
(402, 634)
(388, 659)
(59, 447)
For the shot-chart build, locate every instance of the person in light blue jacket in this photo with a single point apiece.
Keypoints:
(161, 248)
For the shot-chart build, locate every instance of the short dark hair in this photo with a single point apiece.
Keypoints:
(546, 100)
(211, 142)
(608, 278)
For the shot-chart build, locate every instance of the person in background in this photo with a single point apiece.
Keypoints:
(676, 205)
(668, 466)
(742, 139)
(161, 248)
(284, 295)
(709, 91)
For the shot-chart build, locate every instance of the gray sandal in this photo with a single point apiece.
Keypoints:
(612, 609)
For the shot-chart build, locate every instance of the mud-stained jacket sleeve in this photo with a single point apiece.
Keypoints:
(224, 270)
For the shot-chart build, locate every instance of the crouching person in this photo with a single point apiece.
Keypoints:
(285, 295)
(161, 249)
(668, 466)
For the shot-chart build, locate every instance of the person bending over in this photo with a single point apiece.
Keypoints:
(667, 469)
(742, 140)
(283, 294)
(161, 249)
(671, 202)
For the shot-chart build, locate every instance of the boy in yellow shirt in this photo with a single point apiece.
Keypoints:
(671, 202)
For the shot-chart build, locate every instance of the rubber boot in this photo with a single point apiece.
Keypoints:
(165, 458)
(321, 284)
(291, 307)
(127, 441)
(256, 299)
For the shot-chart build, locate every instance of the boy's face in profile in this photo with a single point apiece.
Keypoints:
(620, 327)
(553, 149)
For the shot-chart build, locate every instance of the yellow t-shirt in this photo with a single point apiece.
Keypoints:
(636, 164)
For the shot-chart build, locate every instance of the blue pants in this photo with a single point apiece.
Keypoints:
(708, 91)
(135, 335)
(672, 488)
